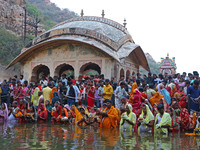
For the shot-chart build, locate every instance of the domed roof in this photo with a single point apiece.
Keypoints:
(104, 30)
(105, 34)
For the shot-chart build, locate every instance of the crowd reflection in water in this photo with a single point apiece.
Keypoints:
(46, 136)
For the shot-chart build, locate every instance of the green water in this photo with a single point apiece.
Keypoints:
(47, 136)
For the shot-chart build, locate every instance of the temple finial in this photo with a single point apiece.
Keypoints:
(103, 14)
(82, 13)
(124, 23)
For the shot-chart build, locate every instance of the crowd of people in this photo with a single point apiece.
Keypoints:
(142, 104)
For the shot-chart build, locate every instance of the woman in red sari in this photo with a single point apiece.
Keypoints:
(21, 104)
(170, 91)
(17, 92)
(90, 98)
(42, 114)
(57, 112)
(186, 120)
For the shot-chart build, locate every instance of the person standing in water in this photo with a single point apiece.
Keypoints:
(162, 122)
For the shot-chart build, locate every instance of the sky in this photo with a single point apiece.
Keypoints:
(158, 26)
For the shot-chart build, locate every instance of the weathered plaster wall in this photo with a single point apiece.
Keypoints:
(128, 66)
(74, 54)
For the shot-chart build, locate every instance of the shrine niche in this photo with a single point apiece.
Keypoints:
(168, 65)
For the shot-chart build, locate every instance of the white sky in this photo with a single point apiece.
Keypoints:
(158, 26)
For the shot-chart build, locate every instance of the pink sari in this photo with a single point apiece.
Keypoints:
(25, 95)
(17, 93)
(136, 102)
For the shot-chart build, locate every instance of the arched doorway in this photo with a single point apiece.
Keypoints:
(121, 72)
(39, 71)
(90, 69)
(128, 73)
(64, 69)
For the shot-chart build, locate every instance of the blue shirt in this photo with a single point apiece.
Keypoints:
(194, 92)
(5, 90)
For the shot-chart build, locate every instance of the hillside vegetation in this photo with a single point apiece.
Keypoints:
(10, 46)
(48, 12)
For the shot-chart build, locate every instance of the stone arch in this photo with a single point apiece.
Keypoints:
(64, 69)
(128, 73)
(121, 72)
(88, 67)
(38, 71)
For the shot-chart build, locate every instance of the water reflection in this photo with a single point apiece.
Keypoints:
(47, 136)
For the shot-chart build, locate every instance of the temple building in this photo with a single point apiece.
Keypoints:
(80, 45)
(168, 65)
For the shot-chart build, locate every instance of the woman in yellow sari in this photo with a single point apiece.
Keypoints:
(133, 88)
(146, 120)
(155, 99)
(35, 97)
(162, 122)
(128, 119)
(81, 116)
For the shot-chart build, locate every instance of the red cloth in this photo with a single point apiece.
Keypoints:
(40, 87)
(170, 91)
(21, 106)
(57, 113)
(136, 100)
(90, 100)
(42, 112)
(185, 118)
(73, 81)
(182, 102)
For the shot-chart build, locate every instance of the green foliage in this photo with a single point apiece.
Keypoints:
(50, 14)
(10, 45)
(32, 10)
(92, 72)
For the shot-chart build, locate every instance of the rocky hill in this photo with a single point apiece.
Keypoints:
(154, 66)
(51, 11)
(12, 16)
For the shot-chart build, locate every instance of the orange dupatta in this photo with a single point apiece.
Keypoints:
(111, 120)
(156, 98)
(133, 88)
(78, 115)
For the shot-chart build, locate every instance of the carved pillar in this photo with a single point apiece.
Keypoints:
(76, 70)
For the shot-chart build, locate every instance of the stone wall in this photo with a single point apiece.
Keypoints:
(73, 54)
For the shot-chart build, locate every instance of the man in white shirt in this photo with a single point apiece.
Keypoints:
(64, 79)
(101, 91)
(21, 79)
(119, 93)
